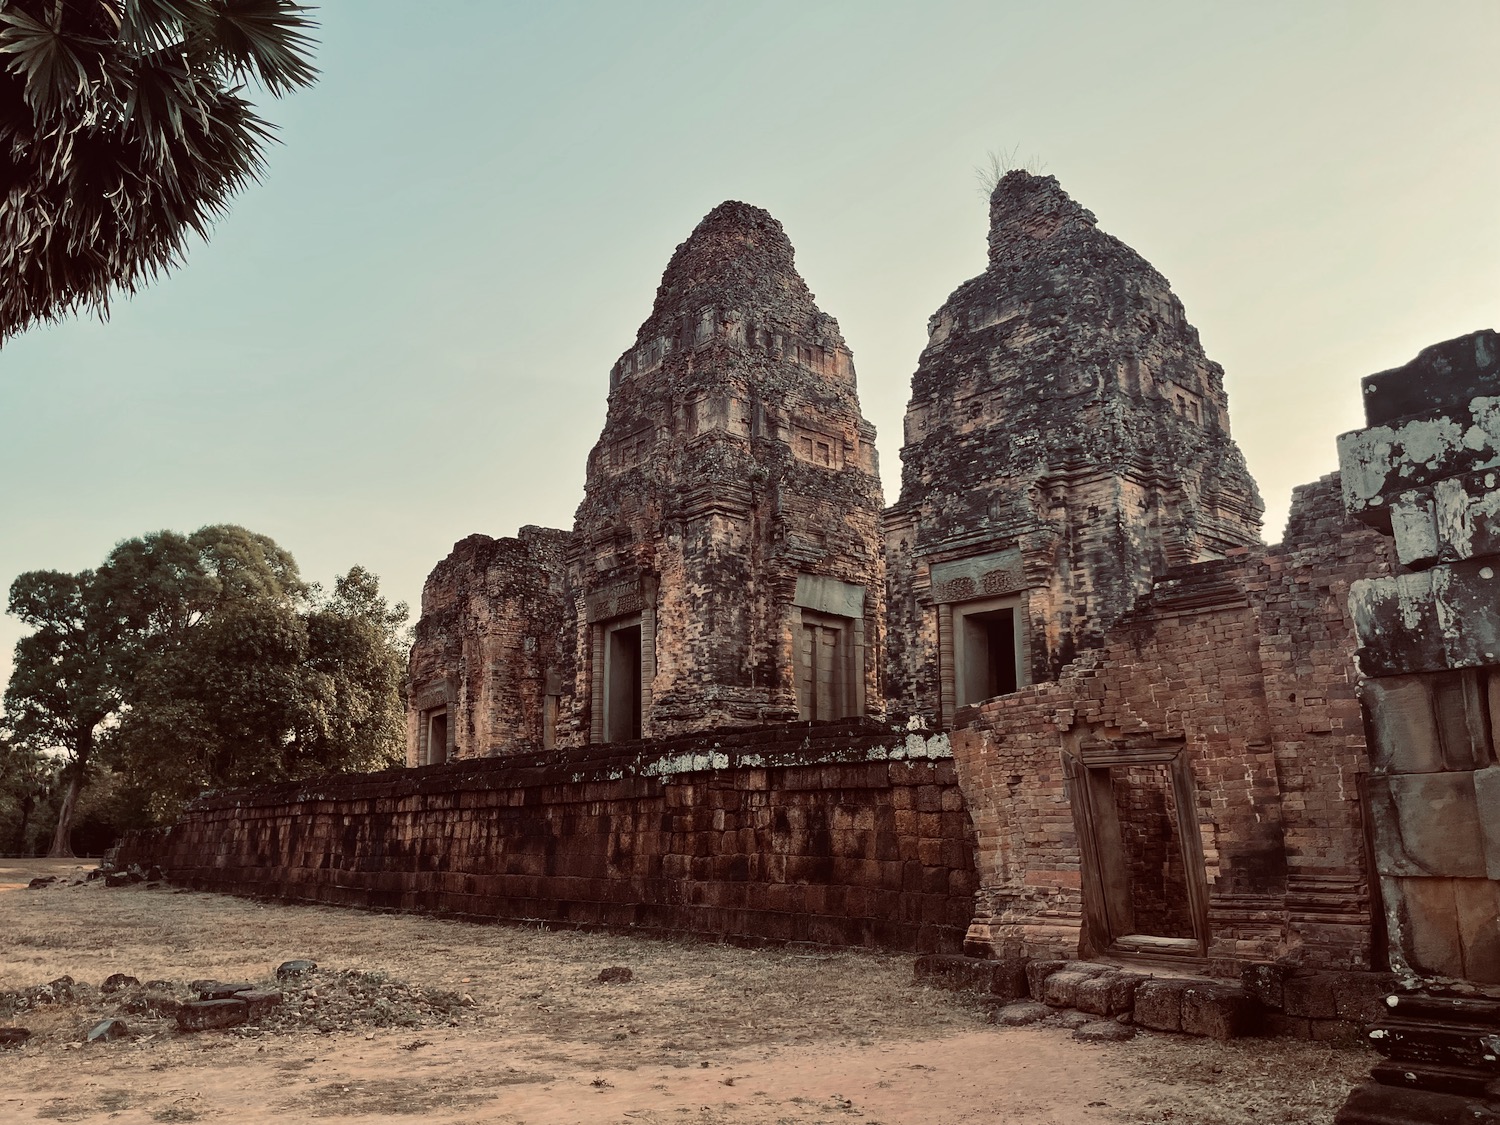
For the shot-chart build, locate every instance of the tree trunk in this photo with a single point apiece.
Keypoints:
(27, 804)
(62, 839)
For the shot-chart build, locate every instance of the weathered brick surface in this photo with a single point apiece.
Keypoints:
(1244, 666)
(801, 832)
(488, 639)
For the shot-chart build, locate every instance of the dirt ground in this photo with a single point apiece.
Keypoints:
(412, 1017)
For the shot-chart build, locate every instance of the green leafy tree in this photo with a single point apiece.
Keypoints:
(66, 681)
(28, 783)
(215, 666)
(123, 130)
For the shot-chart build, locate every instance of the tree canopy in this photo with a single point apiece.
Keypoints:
(123, 130)
(196, 662)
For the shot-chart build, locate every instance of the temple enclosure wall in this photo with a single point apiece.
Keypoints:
(842, 833)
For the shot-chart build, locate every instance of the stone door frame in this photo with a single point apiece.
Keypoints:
(1086, 766)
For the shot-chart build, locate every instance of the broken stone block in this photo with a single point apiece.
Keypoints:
(1360, 997)
(13, 1036)
(615, 974)
(207, 1015)
(1108, 994)
(258, 1001)
(41, 881)
(1037, 973)
(1265, 982)
(1018, 1015)
(1008, 979)
(106, 1030)
(1216, 1011)
(1104, 1031)
(117, 981)
(1309, 996)
(1374, 1102)
(1158, 1004)
(1061, 988)
(220, 990)
(1070, 1019)
(152, 1003)
(120, 879)
(294, 968)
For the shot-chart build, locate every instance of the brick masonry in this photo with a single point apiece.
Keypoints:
(843, 833)
(1241, 673)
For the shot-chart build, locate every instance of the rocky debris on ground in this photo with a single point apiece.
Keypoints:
(615, 974)
(128, 876)
(1019, 1015)
(1104, 1031)
(324, 1000)
(108, 1029)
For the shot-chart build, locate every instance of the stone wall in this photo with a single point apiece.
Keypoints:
(1234, 680)
(845, 833)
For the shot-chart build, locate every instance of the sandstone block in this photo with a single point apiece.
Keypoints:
(207, 1015)
(1309, 996)
(1108, 994)
(258, 1002)
(1158, 1004)
(1360, 997)
(1265, 982)
(1037, 972)
(1216, 1011)
(1061, 988)
(1104, 1031)
(1008, 979)
(1018, 1015)
(220, 990)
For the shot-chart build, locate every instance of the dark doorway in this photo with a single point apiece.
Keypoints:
(622, 703)
(989, 654)
(437, 737)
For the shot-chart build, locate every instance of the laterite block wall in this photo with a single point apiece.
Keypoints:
(842, 833)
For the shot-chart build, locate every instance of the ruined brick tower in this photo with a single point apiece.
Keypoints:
(726, 559)
(1066, 440)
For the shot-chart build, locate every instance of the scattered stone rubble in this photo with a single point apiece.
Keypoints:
(1268, 1000)
(301, 997)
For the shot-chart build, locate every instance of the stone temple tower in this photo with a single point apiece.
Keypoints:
(1066, 440)
(726, 559)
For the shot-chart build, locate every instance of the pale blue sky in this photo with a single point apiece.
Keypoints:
(404, 334)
